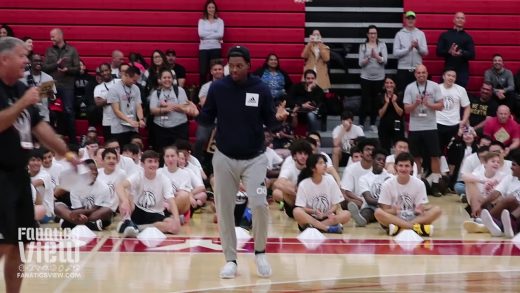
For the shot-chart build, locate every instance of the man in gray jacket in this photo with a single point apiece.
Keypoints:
(62, 63)
(409, 48)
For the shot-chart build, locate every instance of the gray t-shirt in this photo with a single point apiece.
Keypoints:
(128, 99)
(173, 118)
(373, 70)
(422, 118)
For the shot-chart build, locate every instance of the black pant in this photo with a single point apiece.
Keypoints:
(69, 127)
(370, 90)
(404, 77)
(446, 133)
(123, 138)
(168, 136)
(387, 134)
(205, 56)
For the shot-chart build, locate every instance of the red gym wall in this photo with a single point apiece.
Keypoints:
(96, 27)
(493, 24)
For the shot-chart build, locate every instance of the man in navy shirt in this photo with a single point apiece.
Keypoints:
(242, 104)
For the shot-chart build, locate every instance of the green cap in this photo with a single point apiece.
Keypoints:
(409, 14)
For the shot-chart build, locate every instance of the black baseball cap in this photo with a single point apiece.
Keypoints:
(239, 51)
(170, 51)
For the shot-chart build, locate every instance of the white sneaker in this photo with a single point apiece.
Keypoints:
(228, 271)
(263, 268)
(488, 221)
(506, 222)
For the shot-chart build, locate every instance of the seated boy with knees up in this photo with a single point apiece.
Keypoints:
(370, 188)
(402, 200)
(89, 203)
(503, 217)
(284, 188)
(145, 204)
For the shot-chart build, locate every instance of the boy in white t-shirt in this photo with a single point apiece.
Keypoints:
(402, 200)
(350, 179)
(145, 205)
(284, 188)
(343, 137)
(314, 138)
(53, 167)
(401, 145)
(42, 182)
(318, 198)
(370, 188)
(111, 175)
(90, 203)
(504, 216)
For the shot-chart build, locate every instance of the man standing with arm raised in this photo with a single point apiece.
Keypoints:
(242, 104)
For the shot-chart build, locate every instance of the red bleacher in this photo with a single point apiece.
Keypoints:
(97, 27)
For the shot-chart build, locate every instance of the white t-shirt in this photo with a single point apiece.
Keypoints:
(372, 183)
(328, 160)
(203, 92)
(111, 180)
(273, 158)
(128, 165)
(479, 172)
(180, 179)
(55, 172)
(350, 178)
(195, 179)
(469, 164)
(406, 197)
(509, 186)
(321, 196)
(149, 194)
(354, 132)
(391, 160)
(101, 91)
(455, 98)
(289, 170)
(89, 196)
(47, 191)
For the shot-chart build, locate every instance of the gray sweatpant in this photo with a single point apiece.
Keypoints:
(228, 173)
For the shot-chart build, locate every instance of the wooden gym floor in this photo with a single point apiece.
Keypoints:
(359, 260)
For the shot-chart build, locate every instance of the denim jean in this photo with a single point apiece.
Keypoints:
(313, 121)
(460, 187)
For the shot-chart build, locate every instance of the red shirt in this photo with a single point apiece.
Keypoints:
(505, 133)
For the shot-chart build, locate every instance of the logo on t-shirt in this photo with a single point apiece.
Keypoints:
(406, 204)
(147, 200)
(449, 102)
(320, 203)
(23, 126)
(88, 202)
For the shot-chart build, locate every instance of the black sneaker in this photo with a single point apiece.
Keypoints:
(128, 229)
(95, 225)
(435, 190)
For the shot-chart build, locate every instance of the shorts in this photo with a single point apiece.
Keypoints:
(16, 205)
(141, 217)
(424, 143)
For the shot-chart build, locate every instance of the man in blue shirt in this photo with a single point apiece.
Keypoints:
(242, 104)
